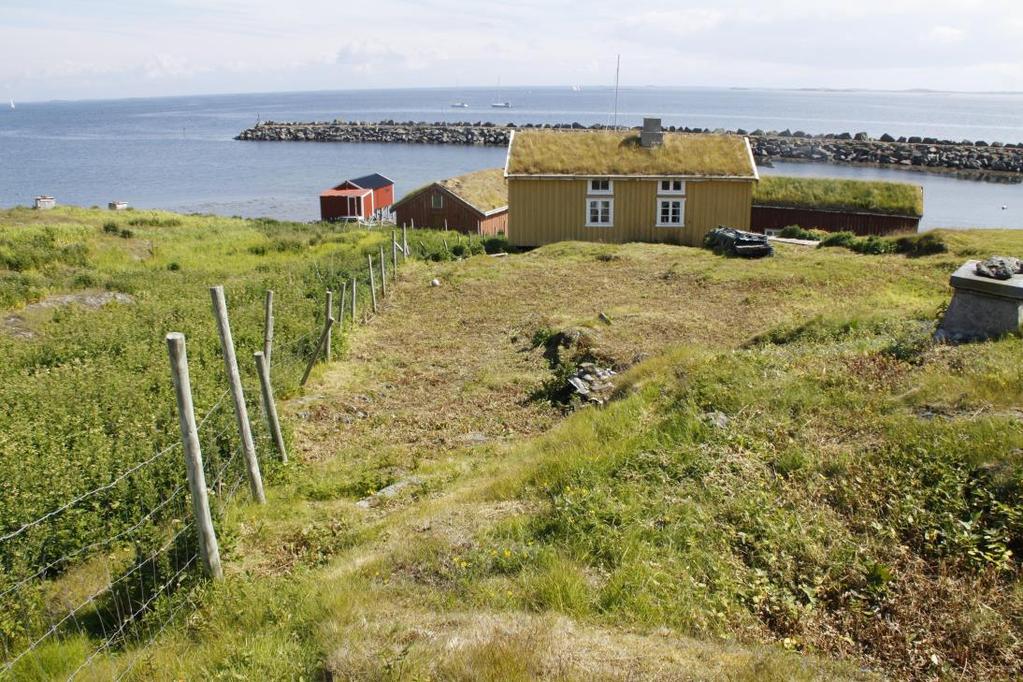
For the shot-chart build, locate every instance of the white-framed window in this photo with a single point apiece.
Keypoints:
(600, 186)
(671, 212)
(437, 201)
(600, 212)
(772, 231)
(672, 186)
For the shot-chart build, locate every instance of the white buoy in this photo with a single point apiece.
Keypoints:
(1004, 207)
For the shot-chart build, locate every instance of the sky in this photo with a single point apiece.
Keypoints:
(96, 49)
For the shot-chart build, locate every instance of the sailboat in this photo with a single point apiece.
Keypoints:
(500, 104)
(460, 105)
(12, 103)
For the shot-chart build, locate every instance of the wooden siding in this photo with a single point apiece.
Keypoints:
(543, 211)
(862, 224)
(459, 215)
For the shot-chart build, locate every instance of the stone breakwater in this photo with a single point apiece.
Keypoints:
(971, 157)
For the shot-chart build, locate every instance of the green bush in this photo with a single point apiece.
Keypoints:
(837, 239)
(921, 245)
(797, 232)
(872, 245)
(110, 227)
(497, 244)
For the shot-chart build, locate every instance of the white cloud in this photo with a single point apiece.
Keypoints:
(946, 35)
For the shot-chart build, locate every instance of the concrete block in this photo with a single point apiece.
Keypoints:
(981, 308)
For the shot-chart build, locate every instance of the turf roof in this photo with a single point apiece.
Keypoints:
(589, 153)
(896, 198)
(485, 189)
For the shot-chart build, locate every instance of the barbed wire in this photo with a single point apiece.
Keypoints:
(99, 543)
(125, 622)
(72, 614)
(87, 495)
(187, 601)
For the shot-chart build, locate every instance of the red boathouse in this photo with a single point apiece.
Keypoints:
(358, 198)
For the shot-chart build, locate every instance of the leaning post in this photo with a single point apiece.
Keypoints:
(319, 349)
(240, 410)
(209, 551)
(383, 273)
(271, 406)
(404, 242)
(341, 305)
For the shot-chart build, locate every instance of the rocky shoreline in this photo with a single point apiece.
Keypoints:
(973, 158)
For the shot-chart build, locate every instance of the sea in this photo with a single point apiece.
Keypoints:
(178, 153)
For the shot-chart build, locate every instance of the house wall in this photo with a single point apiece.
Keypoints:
(862, 224)
(496, 224)
(542, 211)
(419, 210)
(383, 197)
(336, 208)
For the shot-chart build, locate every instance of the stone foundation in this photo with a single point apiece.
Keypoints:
(981, 308)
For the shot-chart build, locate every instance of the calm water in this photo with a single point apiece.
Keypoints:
(177, 153)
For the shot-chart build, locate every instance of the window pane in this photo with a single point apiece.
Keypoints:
(664, 185)
(677, 186)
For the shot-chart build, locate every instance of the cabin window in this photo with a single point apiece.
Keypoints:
(599, 212)
(672, 186)
(601, 186)
(437, 201)
(671, 212)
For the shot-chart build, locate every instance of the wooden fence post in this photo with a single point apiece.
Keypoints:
(209, 551)
(404, 243)
(355, 295)
(383, 273)
(328, 312)
(241, 412)
(319, 349)
(372, 284)
(394, 255)
(341, 305)
(268, 327)
(271, 406)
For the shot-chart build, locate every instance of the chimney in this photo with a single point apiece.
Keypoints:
(651, 135)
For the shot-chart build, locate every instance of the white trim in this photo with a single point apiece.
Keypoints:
(576, 176)
(671, 192)
(671, 199)
(600, 192)
(507, 156)
(610, 211)
(752, 161)
(494, 211)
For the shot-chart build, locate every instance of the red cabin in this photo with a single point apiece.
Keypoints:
(357, 199)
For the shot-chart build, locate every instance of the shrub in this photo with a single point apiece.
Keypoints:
(797, 232)
(837, 239)
(110, 227)
(126, 233)
(498, 244)
(458, 250)
(921, 245)
(154, 222)
(173, 266)
(872, 245)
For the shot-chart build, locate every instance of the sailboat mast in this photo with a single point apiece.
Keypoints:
(618, 68)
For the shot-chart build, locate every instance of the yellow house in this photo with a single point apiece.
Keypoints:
(605, 186)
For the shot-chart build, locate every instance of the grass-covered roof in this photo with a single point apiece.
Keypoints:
(484, 189)
(896, 198)
(598, 152)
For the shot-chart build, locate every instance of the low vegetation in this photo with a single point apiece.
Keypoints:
(85, 382)
(792, 481)
(916, 245)
(566, 152)
(485, 189)
(895, 198)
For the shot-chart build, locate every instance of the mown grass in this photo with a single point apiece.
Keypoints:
(856, 515)
(896, 198)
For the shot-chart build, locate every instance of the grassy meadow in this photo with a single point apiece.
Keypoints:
(792, 481)
(88, 297)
